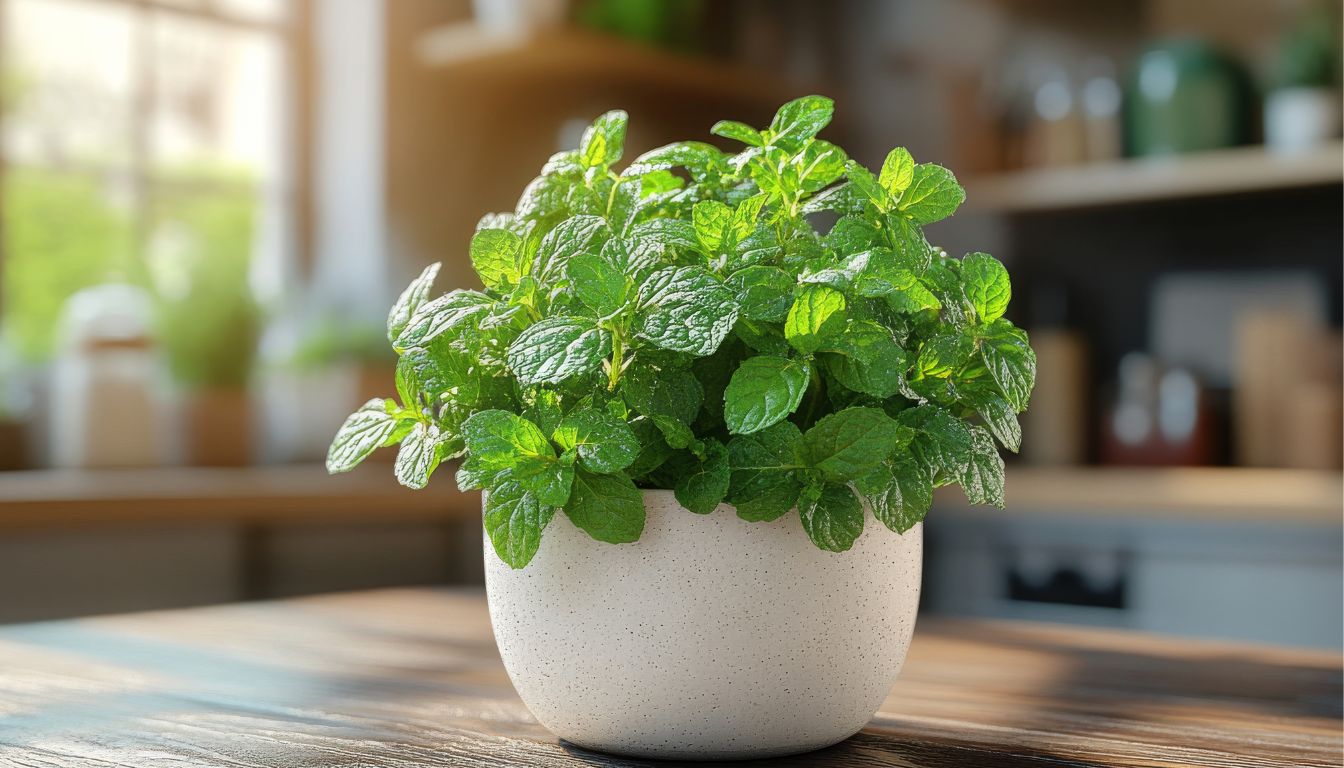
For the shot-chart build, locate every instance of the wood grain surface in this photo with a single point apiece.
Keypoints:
(411, 678)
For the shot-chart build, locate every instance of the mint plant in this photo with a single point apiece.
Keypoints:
(683, 324)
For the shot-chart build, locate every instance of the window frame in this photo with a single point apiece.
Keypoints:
(294, 36)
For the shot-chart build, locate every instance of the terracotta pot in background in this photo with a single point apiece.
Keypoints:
(376, 381)
(217, 428)
(13, 445)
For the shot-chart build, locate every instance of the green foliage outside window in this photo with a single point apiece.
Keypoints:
(60, 233)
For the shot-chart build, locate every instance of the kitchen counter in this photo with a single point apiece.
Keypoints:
(411, 678)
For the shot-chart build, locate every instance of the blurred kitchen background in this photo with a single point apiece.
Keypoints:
(208, 206)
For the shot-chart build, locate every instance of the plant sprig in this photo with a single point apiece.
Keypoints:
(682, 324)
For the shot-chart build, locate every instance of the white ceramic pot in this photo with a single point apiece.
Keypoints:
(1301, 118)
(710, 637)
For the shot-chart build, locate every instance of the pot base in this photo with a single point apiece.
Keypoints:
(694, 754)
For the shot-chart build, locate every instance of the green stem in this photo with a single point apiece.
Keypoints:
(617, 360)
(611, 196)
(813, 397)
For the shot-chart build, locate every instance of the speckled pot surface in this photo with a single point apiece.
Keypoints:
(709, 638)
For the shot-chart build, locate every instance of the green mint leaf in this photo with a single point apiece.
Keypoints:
(621, 204)
(800, 120)
(544, 410)
(658, 234)
(677, 434)
(607, 507)
(604, 140)
(943, 277)
(499, 221)
(892, 271)
(745, 216)
(775, 175)
(653, 449)
(604, 443)
(867, 186)
(898, 171)
(901, 495)
(763, 485)
(817, 315)
(514, 521)
(471, 476)
(686, 309)
(944, 353)
(418, 456)
(942, 442)
(846, 444)
(408, 379)
(764, 293)
(933, 194)
(703, 482)
(834, 520)
(657, 184)
(732, 129)
(764, 391)
(1010, 361)
(712, 222)
(450, 312)
(597, 282)
(496, 255)
(411, 299)
(985, 282)
(868, 359)
(577, 234)
(999, 416)
(557, 348)
(852, 234)
(550, 481)
(838, 276)
(563, 163)
(499, 440)
(843, 199)
(366, 430)
(913, 251)
(982, 479)
(913, 299)
(758, 246)
(772, 498)
(447, 371)
(703, 161)
(819, 164)
(765, 338)
(673, 393)
(544, 199)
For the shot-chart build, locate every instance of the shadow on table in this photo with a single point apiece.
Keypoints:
(862, 749)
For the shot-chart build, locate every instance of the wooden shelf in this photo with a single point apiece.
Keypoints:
(1211, 493)
(284, 494)
(469, 52)
(279, 494)
(1207, 174)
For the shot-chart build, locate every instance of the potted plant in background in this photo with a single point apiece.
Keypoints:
(209, 324)
(316, 367)
(1302, 108)
(673, 359)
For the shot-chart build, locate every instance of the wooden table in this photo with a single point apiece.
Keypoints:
(411, 678)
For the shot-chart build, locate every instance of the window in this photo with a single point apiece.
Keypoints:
(123, 120)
